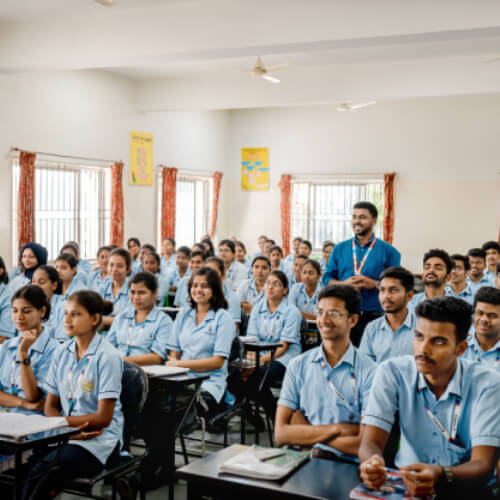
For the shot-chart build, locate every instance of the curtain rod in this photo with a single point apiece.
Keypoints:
(54, 155)
(180, 171)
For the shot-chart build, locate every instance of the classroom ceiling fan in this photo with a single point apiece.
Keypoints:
(349, 106)
(263, 71)
(106, 3)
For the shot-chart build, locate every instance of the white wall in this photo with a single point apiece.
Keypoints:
(444, 150)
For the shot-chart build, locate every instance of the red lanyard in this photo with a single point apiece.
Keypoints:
(357, 271)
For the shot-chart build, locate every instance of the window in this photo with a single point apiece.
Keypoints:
(193, 205)
(72, 202)
(322, 210)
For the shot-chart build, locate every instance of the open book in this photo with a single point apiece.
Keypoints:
(264, 463)
(163, 370)
(18, 425)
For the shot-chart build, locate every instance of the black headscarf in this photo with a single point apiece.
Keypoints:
(41, 255)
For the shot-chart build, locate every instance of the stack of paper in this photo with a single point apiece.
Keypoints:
(164, 370)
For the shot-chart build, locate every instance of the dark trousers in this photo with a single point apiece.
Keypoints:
(250, 389)
(364, 319)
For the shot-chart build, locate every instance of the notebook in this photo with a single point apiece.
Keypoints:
(17, 425)
(163, 370)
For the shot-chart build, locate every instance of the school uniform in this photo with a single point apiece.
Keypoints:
(19, 281)
(416, 300)
(121, 301)
(476, 285)
(134, 339)
(163, 287)
(283, 267)
(40, 355)
(491, 276)
(77, 283)
(15, 272)
(174, 277)
(380, 342)
(96, 281)
(56, 319)
(299, 297)
(471, 399)
(465, 294)
(212, 337)
(136, 266)
(289, 260)
(182, 293)
(248, 291)
(326, 394)
(489, 358)
(236, 274)
(291, 279)
(7, 328)
(233, 303)
(84, 267)
(166, 265)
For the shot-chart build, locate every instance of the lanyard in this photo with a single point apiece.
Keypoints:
(357, 271)
(454, 426)
(134, 340)
(478, 356)
(273, 329)
(71, 388)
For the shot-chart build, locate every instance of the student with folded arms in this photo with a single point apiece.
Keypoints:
(252, 289)
(448, 410)
(325, 390)
(304, 296)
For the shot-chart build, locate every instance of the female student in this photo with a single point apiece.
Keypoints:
(47, 278)
(182, 294)
(97, 277)
(152, 264)
(134, 249)
(71, 282)
(304, 296)
(241, 254)
(31, 255)
(141, 332)
(326, 251)
(236, 272)
(295, 275)
(295, 247)
(208, 246)
(6, 326)
(272, 320)
(25, 359)
(83, 267)
(84, 385)
(252, 289)
(116, 288)
(276, 258)
(167, 255)
(202, 336)
(181, 269)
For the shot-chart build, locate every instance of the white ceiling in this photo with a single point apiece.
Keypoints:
(197, 53)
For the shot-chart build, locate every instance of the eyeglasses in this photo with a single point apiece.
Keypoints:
(332, 313)
(274, 284)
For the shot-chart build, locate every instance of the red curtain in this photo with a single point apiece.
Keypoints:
(389, 207)
(285, 186)
(117, 216)
(169, 180)
(215, 202)
(26, 199)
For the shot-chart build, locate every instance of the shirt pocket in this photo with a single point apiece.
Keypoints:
(457, 454)
(347, 411)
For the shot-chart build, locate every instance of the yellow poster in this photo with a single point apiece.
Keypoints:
(141, 158)
(254, 169)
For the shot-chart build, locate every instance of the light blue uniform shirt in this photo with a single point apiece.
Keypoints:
(134, 339)
(182, 293)
(248, 291)
(84, 267)
(289, 260)
(489, 358)
(398, 386)
(96, 376)
(236, 274)
(465, 294)
(174, 277)
(233, 302)
(379, 342)
(121, 301)
(167, 265)
(475, 286)
(284, 325)
(7, 328)
(212, 337)
(56, 318)
(490, 276)
(19, 281)
(300, 299)
(96, 281)
(136, 266)
(163, 286)
(415, 301)
(15, 272)
(40, 354)
(78, 283)
(306, 388)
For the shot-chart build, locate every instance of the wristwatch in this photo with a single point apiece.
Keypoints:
(25, 362)
(448, 474)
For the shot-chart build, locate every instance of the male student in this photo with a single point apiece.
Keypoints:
(484, 345)
(492, 249)
(391, 335)
(236, 272)
(359, 262)
(458, 286)
(477, 278)
(437, 269)
(448, 410)
(325, 390)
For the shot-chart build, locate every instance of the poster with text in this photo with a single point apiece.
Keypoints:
(141, 158)
(254, 169)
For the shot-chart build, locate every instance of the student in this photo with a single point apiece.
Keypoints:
(268, 244)
(167, 255)
(295, 247)
(236, 272)
(252, 289)
(457, 284)
(115, 289)
(271, 320)
(325, 390)
(25, 359)
(477, 278)
(202, 336)
(181, 269)
(359, 262)
(437, 268)
(83, 267)
(448, 410)
(492, 249)
(200, 247)
(304, 296)
(146, 248)
(305, 248)
(141, 332)
(4, 276)
(326, 251)
(7, 329)
(152, 264)
(261, 240)
(391, 335)
(31, 255)
(84, 385)
(47, 278)
(295, 275)
(97, 277)
(196, 261)
(134, 249)
(484, 345)
(66, 267)
(241, 254)
(208, 246)
(276, 258)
